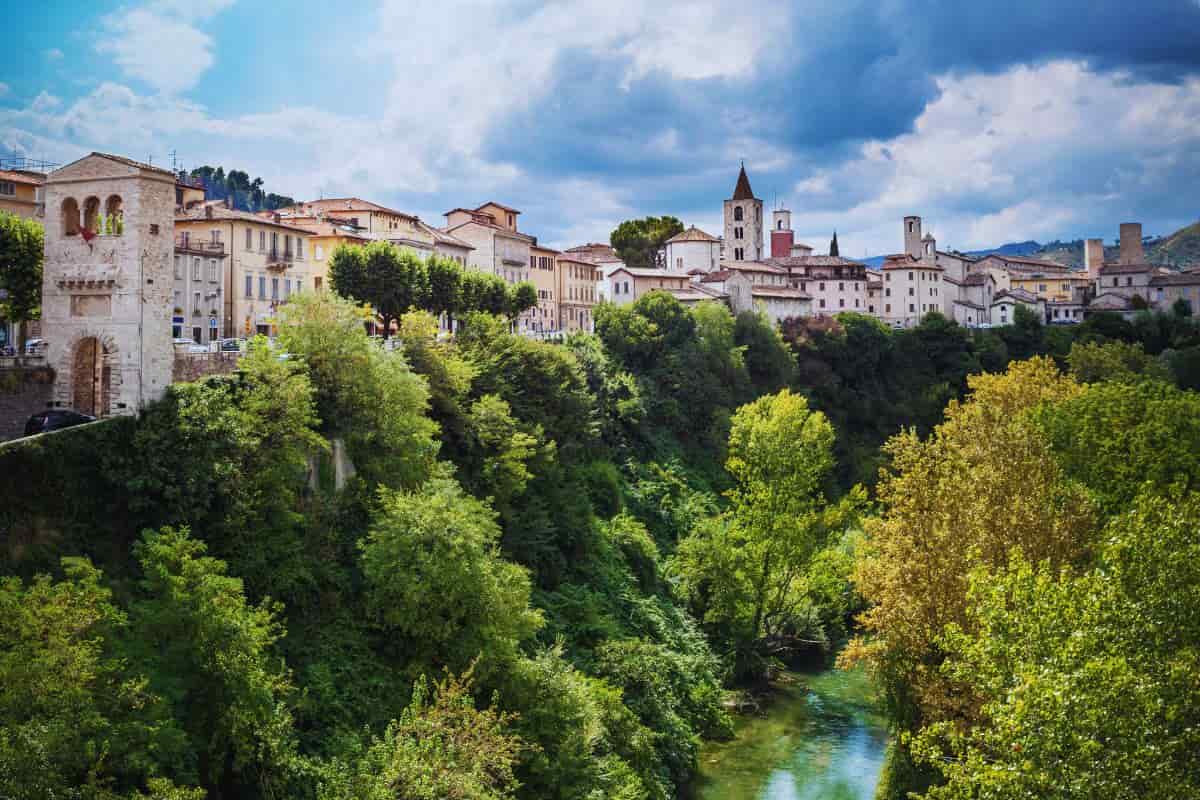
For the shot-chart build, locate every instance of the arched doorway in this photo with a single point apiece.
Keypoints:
(90, 378)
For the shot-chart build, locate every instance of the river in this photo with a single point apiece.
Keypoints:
(820, 739)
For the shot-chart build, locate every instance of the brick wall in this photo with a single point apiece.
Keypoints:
(23, 391)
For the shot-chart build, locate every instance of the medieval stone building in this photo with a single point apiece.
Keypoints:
(106, 292)
(743, 222)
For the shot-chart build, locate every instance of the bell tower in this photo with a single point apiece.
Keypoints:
(743, 222)
(107, 283)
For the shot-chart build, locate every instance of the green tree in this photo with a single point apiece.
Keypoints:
(379, 274)
(769, 363)
(744, 571)
(1092, 361)
(445, 287)
(436, 579)
(1088, 683)
(522, 297)
(441, 747)
(21, 253)
(637, 241)
(75, 719)
(209, 653)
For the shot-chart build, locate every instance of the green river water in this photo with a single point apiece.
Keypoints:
(820, 739)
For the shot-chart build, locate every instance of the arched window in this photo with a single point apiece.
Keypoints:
(737, 214)
(779, 224)
(113, 213)
(70, 217)
(91, 213)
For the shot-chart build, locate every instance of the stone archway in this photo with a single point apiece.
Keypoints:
(91, 377)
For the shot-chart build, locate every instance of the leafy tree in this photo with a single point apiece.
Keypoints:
(1091, 362)
(391, 281)
(522, 297)
(743, 570)
(362, 392)
(75, 720)
(208, 653)
(769, 364)
(983, 482)
(445, 287)
(1181, 307)
(1087, 683)
(21, 254)
(441, 747)
(436, 579)
(637, 241)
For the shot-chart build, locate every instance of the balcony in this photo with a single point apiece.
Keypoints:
(194, 244)
(280, 259)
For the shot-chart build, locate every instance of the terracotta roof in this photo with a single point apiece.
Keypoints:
(1125, 269)
(441, 237)
(223, 213)
(813, 261)
(742, 190)
(331, 205)
(959, 256)
(715, 277)
(20, 176)
(785, 292)
(542, 249)
(1026, 261)
(977, 279)
(753, 266)
(1111, 302)
(910, 265)
(1018, 295)
(692, 234)
(330, 229)
(497, 205)
(692, 293)
(651, 273)
(969, 304)
(1176, 279)
(498, 228)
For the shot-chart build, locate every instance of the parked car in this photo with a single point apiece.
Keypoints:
(55, 419)
(230, 345)
(36, 347)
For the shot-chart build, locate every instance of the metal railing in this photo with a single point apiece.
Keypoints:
(196, 245)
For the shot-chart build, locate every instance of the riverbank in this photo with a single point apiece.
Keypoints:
(821, 738)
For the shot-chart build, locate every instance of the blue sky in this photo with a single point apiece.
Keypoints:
(996, 120)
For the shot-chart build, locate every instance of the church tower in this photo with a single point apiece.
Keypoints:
(743, 222)
(107, 284)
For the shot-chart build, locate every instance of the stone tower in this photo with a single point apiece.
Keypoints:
(743, 222)
(912, 236)
(107, 282)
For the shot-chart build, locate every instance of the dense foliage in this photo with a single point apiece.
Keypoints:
(238, 189)
(21, 255)
(637, 241)
(497, 567)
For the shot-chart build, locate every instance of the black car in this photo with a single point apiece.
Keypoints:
(55, 419)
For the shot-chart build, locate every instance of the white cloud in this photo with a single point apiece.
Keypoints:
(160, 42)
(53, 54)
(1043, 151)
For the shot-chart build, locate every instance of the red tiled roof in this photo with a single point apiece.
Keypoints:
(1125, 269)
(20, 176)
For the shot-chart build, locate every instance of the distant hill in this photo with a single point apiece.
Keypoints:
(1181, 248)
(1010, 249)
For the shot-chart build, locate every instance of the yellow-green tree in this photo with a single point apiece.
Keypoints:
(983, 482)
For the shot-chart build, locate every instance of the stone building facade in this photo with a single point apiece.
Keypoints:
(743, 223)
(106, 291)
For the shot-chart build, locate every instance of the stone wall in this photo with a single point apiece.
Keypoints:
(23, 391)
(190, 367)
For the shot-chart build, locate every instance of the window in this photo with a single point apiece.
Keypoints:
(8, 187)
(70, 217)
(887, 292)
(841, 302)
(822, 302)
(287, 244)
(249, 286)
(317, 284)
(841, 287)
(274, 288)
(262, 241)
(262, 287)
(912, 291)
(532, 261)
(887, 308)
(178, 268)
(821, 286)
(887, 276)
(197, 334)
(195, 269)
(287, 288)
(856, 302)
(212, 269)
(679, 263)
(1129, 281)
(299, 248)
(911, 308)
(196, 303)
(737, 214)
(910, 276)
(215, 236)
(1115, 281)
(249, 238)
(319, 253)
(1041, 287)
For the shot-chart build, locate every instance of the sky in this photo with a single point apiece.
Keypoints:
(994, 120)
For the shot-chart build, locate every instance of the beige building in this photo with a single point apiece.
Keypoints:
(578, 292)
(630, 283)
(690, 250)
(448, 246)
(106, 290)
(1168, 288)
(264, 262)
(543, 271)
(498, 247)
(835, 284)
(911, 289)
(22, 193)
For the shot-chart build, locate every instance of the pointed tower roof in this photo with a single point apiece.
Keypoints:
(833, 246)
(743, 191)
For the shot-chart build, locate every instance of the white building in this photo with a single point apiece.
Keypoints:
(693, 249)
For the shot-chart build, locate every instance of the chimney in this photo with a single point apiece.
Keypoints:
(1093, 257)
(1131, 243)
(208, 212)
